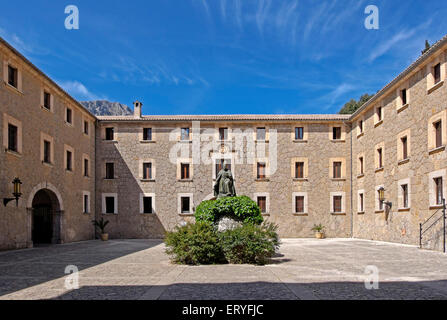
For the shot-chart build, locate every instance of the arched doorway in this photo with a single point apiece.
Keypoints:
(45, 217)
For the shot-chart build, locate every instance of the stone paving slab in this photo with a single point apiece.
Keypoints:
(302, 269)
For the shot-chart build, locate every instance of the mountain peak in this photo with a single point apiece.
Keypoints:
(107, 108)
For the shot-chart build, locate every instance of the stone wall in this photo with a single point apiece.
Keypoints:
(425, 102)
(127, 151)
(25, 106)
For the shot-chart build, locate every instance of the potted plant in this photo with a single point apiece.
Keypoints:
(101, 225)
(319, 231)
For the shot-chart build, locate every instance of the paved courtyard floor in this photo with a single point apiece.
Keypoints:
(303, 269)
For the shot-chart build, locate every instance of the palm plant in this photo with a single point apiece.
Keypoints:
(101, 224)
(318, 228)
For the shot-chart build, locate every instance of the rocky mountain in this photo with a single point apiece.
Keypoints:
(107, 108)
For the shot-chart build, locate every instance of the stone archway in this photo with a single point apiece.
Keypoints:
(46, 207)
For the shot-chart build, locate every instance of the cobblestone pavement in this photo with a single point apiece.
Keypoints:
(303, 269)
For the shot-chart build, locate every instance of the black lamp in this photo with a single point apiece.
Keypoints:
(16, 193)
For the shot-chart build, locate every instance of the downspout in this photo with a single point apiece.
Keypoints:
(352, 214)
(94, 184)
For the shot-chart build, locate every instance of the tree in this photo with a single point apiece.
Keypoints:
(427, 47)
(352, 105)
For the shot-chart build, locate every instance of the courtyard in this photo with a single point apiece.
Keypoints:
(303, 269)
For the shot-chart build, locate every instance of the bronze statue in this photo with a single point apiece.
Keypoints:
(224, 186)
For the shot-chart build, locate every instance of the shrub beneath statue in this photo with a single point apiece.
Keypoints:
(202, 243)
(240, 208)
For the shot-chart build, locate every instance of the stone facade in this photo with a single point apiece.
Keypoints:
(426, 103)
(23, 107)
(406, 121)
(128, 152)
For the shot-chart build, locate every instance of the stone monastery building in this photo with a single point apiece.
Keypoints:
(146, 174)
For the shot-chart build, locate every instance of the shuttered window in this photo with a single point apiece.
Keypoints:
(147, 170)
(337, 170)
(299, 204)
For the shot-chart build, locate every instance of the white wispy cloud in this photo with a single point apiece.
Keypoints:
(16, 41)
(262, 14)
(330, 99)
(79, 91)
(403, 35)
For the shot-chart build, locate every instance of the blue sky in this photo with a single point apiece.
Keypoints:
(223, 56)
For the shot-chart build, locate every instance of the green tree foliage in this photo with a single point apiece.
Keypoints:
(352, 105)
(201, 243)
(194, 244)
(427, 47)
(250, 243)
(240, 208)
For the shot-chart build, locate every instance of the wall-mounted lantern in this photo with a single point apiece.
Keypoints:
(382, 197)
(16, 193)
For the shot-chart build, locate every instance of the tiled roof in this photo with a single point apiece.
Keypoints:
(232, 117)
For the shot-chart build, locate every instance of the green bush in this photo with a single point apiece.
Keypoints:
(240, 208)
(250, 243)
(194, 244)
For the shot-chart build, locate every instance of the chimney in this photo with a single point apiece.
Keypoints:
(137, 109)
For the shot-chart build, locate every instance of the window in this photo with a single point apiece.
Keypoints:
(109, 134)
(361, 207)
(299, 170)
(185, 204)
(86, 127)
(260, 172)
(69, 116)
(404, 141)
(46, 151)
(437, 73)
(260, 134)
(86, 203)
(438, 190)
(262, 204)
(13, 76)
(337, 204)
(185, 134)
(380, 158)
(69, 161)
(337, 170)
(223, 134)
(299, 133)
(184, 171)
(86, 168)
(379, 114)
(147, 171)
(438, 133)
(12, 137)
(110, 204)
(360, 124)
(299, 204)
(403, 95)
(110, 170)
(336, 133)
(404, 188)
(361, 165)
(47, 100)
(147, 205)
(147, 134)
